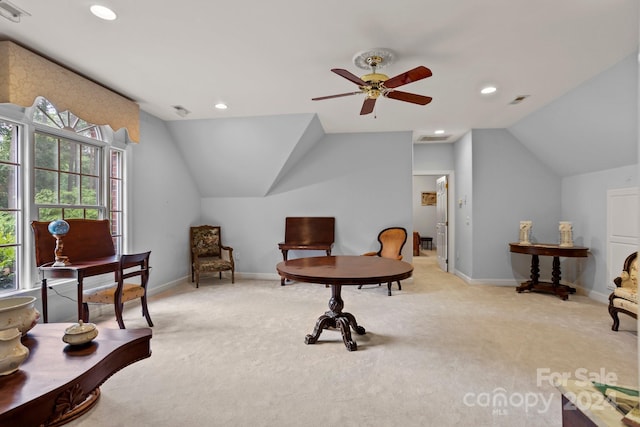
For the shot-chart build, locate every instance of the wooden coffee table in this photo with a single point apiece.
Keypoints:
(338, 271)
(58, 382)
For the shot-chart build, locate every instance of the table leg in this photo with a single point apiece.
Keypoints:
(285, 254)
(554, 287)
(335, 318)
(535, 275)
(45, 311)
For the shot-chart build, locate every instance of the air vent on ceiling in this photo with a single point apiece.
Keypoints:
(11, 11)
(519, 99)
(432, 138)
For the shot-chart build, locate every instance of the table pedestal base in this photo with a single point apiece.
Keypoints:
(69, 410)
(561, 291)
(335, 318)
(554, 287)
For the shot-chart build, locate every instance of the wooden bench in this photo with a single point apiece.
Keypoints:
(307, 234)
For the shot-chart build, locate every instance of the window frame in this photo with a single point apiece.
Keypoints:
(26, 271)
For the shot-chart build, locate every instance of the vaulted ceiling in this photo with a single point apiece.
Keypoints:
(271, 58)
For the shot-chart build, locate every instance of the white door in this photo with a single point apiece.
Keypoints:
(622, 229)
(442, 222)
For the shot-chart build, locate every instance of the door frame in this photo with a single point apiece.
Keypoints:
(451, 211)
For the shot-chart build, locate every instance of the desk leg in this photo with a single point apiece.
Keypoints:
(45, 311)
(335, 318)
(81, 313)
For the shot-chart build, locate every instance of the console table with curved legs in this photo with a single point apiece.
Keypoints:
(58, 382)
(547, 249)
(338, 271)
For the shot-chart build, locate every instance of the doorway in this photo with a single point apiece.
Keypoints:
(434, 220)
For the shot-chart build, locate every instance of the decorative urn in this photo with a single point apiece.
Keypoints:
(12, 351)
(80, 333)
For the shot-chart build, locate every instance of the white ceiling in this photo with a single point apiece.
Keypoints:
(269, 58)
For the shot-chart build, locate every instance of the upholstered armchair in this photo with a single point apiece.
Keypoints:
(208, 254)
(624, 298)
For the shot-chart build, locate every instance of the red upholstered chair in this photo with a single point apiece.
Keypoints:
(392, 241)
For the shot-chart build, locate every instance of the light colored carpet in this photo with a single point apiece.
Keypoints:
(234, 355)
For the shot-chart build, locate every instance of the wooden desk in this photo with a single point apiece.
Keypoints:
(89, 247)
(57, 382)
(338, 271)
(79, 271)
(546, 249)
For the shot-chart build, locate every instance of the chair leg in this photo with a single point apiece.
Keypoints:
(85, 312)
(197, 278)
(118, 308)
(145, 310)
(359, 286)
(614, 315)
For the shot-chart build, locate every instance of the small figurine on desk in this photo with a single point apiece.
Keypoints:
(58, 229)
(525, 232)
(566, 235)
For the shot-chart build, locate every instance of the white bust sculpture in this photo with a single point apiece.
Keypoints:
(525, 232)
(566, 234)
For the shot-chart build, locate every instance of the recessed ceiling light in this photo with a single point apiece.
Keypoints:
(103, 12)
(488, 89)
(221, 106)
(439, 132)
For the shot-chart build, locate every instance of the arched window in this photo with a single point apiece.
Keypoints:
(74, 170)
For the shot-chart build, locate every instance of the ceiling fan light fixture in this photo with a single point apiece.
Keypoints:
(378, 57)
(103, 12)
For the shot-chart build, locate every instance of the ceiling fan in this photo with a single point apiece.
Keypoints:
(375, 84)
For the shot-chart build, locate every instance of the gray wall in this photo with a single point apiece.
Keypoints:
(584, 202)
(363, 180)
(509, 185)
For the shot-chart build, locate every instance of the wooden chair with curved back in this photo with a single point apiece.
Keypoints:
(624, 298)
(392, 241)
(131, 266)
(208, 254)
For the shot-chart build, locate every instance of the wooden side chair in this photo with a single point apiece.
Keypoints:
(208, 254)
(624, 298)
(133, 266)
(392, 241)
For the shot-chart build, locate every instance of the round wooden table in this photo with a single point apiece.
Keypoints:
(337, 271)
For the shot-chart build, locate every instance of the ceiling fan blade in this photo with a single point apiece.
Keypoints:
(409, 97)
(367, 106)
(335, 96)
(349, 76)
(410, 76)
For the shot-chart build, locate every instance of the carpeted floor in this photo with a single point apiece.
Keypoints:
(437, 353)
